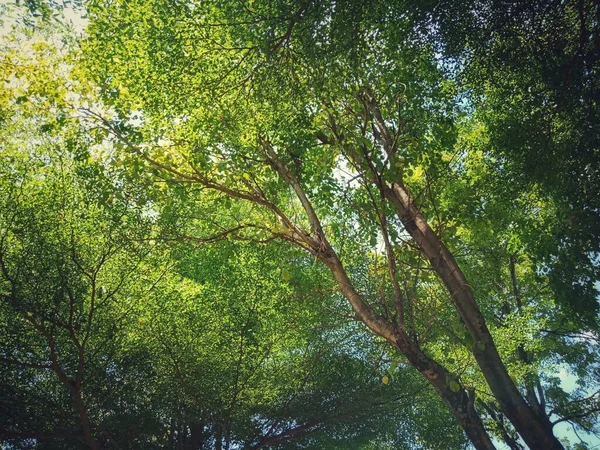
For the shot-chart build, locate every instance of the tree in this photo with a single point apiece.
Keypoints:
(95, 323)
(267, 104)
(531, 72)
(115, 333)
(63, 262)
(330, 128)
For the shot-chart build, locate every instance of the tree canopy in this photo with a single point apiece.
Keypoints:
(278, 224)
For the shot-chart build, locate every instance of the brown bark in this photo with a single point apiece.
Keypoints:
(197, 436)
(74, 386)
(85, 421)
(75, 391)
(459, 402)
(535, 431)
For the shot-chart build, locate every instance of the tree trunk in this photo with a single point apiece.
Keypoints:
(83, 417)
(534, 430)
(74, 387)
(458, 402)
(197, 436)
(218, 437)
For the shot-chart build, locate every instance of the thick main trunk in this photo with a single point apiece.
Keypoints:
(197, 436)
(218, 437)
(459, 402)
(534, 430)
(74, 387)
(84, 419)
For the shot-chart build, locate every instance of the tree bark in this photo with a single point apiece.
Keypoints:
(218, 437)
(458, 402)
(83, 417)
(535, 431)
(74, 386)
(197, 436)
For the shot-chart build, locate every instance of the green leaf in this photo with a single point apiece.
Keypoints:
(454, 385)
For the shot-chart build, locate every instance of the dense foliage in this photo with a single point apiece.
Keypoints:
(300, 225)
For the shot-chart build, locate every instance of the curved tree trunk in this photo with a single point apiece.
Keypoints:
(459, 403)
(83, 417)
(73, 386)
(535, 431)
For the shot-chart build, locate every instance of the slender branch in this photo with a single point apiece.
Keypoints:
(40, 435)
(292, 180)
(25, 364)
(281, 41)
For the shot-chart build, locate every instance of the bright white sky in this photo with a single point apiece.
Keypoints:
(9, 11)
